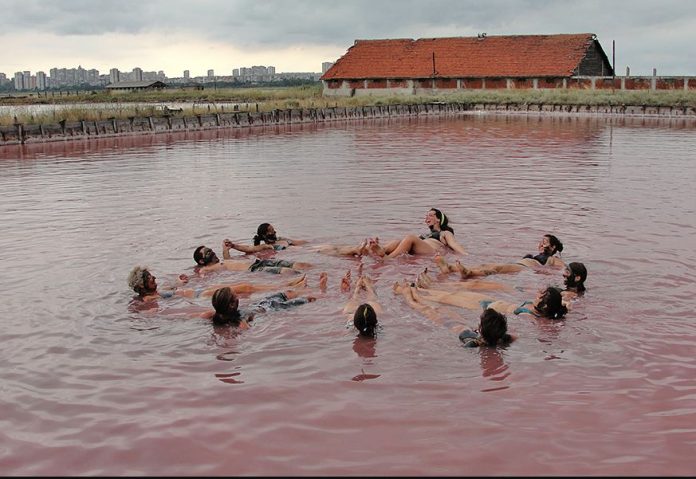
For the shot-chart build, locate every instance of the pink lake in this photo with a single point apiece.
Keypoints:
(92, 386)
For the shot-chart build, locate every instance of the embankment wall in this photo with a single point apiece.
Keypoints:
(64, 130)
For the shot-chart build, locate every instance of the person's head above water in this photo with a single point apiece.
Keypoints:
(574, 276)
(203, 256)
(493, 327)
(365, 320)
(549, 304)
(550, 245)
(436, 219)
(266, 233)
(142, 281)
(226, 306)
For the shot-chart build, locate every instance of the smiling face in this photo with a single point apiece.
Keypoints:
(545, 247)
(431, 220)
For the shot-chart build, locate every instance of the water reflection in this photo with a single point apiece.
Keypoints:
(618, 192)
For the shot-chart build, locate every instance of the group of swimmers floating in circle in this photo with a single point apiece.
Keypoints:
(363, 305)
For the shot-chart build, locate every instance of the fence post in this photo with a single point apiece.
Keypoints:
(20, 132)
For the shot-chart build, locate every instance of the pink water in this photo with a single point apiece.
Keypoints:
(91, 386)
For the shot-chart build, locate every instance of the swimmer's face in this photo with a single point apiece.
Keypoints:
(569, 279)
(431, 218)
(545, 246)
(271, 234)
(209, 256)
(149, 281)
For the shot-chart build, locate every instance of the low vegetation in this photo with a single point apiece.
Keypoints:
(103, 105)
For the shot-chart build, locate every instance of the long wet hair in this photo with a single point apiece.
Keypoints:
(493, 327)
(365, 320)
(551, 305)
(444, 221)
(577, 269)
(555, 243)
(261, 233)
(224, 311)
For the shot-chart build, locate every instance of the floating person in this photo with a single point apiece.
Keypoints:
(548, 247)
(548, 303)
(227, 311)
(491, 331)
(266, 239)
(574, 276)
(424, 280)
(362, 311)
(207, 261)
(440, 236)
(143, 282)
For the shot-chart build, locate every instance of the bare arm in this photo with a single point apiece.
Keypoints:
(294, 241)
(244, 248)
(448, 239)
(555, 262)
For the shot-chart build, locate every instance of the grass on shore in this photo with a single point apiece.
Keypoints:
(82, 107)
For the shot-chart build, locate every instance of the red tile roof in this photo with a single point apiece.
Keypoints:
(462, 57)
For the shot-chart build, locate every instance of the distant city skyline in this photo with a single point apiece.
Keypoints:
(299, 36)
(68, 77)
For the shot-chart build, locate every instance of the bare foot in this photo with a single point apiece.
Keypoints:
(463, 271)
(345, 282)
(297, 281)
(362, 249)
(376, 249)
(323, 280)
(398, 288)
(423, 280)
(442, 264)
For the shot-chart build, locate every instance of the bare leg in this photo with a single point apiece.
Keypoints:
(345, 282)
(323, 281)
(284, 270)
(424, 280)
(369, 286)
(410, 295)
(375, 248)
(354, 300)
(296, 281)
(444, 266)
(340, 250)
(462, 299)
(412, 244)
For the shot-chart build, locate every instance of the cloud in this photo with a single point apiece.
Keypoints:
(646, 35)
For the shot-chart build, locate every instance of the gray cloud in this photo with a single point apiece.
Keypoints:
(647, 34)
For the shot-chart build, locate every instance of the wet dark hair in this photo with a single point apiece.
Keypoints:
(224, 312)
(261, 233)
(203, 260)
(576, 269)
(365, 320)
(444, 221)
(555, 242)
(198, 254)
(551, 304)
(493, 327)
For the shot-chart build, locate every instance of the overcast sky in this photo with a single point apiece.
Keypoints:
(298, 35)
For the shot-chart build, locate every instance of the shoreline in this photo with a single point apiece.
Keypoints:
(20, 134)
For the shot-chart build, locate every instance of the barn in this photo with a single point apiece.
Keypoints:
(440, 65)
